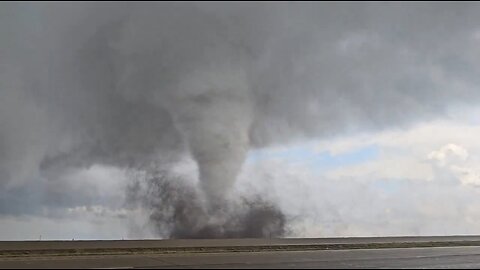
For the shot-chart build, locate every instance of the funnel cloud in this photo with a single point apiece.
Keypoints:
(140, 86)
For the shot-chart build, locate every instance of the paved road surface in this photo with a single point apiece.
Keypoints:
(456, 257)
(140, 254)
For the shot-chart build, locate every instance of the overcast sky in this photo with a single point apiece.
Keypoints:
(355, 119)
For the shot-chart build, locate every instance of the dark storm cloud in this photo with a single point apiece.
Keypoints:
(132, 85)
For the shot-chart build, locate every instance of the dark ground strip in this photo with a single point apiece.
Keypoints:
(221, 249)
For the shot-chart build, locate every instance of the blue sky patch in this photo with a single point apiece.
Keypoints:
(306, 155)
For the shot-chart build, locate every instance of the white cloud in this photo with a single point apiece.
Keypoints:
(415, 152)
(423, 182)
(448, 154)
(386, 167)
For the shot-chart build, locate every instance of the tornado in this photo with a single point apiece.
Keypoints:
(141, 86)
(214, 113)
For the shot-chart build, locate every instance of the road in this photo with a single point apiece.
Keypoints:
(428, 257)
(456, 257)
